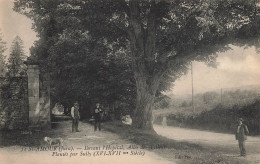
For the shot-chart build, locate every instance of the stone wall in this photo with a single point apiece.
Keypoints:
(14, 105)
(25, 101)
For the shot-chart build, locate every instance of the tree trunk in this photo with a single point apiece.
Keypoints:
(142, 42)
(146, 90)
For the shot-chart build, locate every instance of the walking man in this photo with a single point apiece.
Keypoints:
(241, 136)
(97, 116)
(75, 117)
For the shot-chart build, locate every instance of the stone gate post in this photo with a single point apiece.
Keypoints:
(39, 97)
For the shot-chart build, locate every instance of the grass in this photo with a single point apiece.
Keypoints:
(171, 149)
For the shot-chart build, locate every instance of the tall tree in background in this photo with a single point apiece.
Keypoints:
(163, 36)
(16, 66)
(2, 57)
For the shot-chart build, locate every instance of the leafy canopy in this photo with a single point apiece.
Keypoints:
(171, 32)
(160, 38)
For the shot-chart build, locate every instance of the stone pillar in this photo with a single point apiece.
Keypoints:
(39, 98)
(45, 112)
(33, 94)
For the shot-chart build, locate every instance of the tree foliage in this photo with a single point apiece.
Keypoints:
(220, 118)
(82, 68)
(16, 66)
(163, 37)
(2, 57)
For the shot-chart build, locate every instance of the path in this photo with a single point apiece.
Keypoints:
(78, 141)
(222, 142)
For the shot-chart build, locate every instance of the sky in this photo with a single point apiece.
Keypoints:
(13, 24)
(237, 67)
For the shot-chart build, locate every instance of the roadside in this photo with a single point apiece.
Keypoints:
(221, 141)
(108, 147)
(144, 147)
(179, 151)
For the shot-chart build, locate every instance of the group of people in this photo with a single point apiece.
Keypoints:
(76, 116)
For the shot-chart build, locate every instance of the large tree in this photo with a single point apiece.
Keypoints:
(2, 57)
(89, 73)
(82, 68)
(163, 36)
(16, 66)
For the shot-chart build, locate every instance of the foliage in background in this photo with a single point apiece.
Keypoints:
(221, 119)
(209, 100)
(212, 114)
(15, 65)
(2, 57)
(13, 87)
(14, 111)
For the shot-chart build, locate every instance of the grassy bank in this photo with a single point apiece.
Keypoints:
(181, 152)
(219, 119)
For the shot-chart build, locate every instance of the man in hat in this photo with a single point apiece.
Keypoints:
(75, 117)
(241, 136)
(97, 116)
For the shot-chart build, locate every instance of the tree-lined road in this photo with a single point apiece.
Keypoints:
(79, 141)
(220, 141)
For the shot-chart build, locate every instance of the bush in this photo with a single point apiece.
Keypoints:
(221, 119)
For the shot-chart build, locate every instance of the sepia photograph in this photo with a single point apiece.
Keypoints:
(130, 81)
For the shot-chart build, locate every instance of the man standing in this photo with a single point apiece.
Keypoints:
(241, 136)
(97, 116)
(75, 117)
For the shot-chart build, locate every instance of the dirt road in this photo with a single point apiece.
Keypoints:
(225, 143)
(109, 148)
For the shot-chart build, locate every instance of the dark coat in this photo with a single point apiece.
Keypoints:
(241, 132)
(75, 111)
(97, 113)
